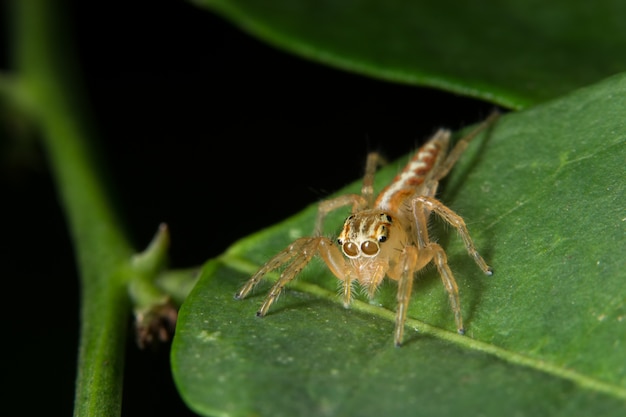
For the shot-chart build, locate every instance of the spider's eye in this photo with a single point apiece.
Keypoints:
(382, 234)
(369, 247)
(350, 249)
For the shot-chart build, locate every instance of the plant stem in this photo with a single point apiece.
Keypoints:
(48, 76)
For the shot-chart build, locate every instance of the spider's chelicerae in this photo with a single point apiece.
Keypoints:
(386, 236)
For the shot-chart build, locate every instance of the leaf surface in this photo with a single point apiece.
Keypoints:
(543, 194)
(511, 52)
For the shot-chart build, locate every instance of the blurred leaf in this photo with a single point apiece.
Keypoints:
(544, 198)
(513, 52)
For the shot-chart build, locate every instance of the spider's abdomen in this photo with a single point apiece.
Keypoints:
(412, 177)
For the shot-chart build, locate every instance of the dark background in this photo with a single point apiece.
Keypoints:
(202, 127)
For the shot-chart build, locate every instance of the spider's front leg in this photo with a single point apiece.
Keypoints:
(422, 207)
(411, 260)
(333, 204)
(296, 256)
(358, 202)
(433, 205)
(441, 261)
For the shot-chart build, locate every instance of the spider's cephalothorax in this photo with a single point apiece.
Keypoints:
(371, 240)
(387, 236)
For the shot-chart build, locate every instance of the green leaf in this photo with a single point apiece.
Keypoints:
(513, 52)
(543, 194)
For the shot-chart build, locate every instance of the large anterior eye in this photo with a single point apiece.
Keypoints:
(350, 249)
(369, 247)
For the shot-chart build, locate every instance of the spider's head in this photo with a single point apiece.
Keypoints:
(367, 234)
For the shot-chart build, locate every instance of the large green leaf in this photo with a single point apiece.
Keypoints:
(544, 198)
(512, 52)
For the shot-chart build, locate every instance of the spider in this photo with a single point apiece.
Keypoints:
(385, 236)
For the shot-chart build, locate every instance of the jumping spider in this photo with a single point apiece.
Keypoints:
(386, 236)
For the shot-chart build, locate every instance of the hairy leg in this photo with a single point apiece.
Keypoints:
(441, 261)
(457, 222)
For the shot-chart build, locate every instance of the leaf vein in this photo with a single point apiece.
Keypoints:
(585, 381)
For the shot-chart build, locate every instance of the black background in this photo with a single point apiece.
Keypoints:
(202, 127)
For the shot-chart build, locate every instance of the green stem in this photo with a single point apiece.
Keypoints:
(46, 72)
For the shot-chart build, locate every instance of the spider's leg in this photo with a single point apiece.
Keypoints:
(332, 204)
(374, 160)
(337, 264)
(277, 261)
(405, 286)
(410, 261)
(305, 253)
(441, 261)
(457, 222)
(422, 207)
(406, 263)
(420, 222)
(456, 152)
(358, 202)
